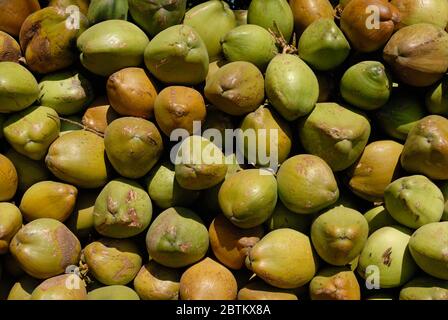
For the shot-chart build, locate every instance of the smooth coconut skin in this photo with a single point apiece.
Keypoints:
(156, 282)
(99, 115)
(363, 37)
(428, 246)
(288, 78)
(156, 16)
(375, 169)
(306, 184)
(14, 13)
(425, 288)
(211, 20)
(323, 45)
(132, 93)
(305, 12)
(115, 292)
(183, 53)
(418, 54)
(377, 218)
(265, 12)
(400, 114)
(230, 243)
(55, 288)
(248, 197)
(283, 258)
(102, 58)
(249, 43)
(164, 189)
(45, 247)
(208, 280)
(112, 261)
(415, 11)
(366, 85)
(48, 199)
(8, 179)
(101, 10)
(78, 157)
(133, 146)
(10, 223)
(67, 92)
(199, 164)
(259, 290)
(414, 201)
(9, 48)
(387, 248)
(18, 87)
(178, 107)
(266, 119)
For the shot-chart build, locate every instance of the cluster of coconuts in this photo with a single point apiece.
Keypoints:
(357, 208)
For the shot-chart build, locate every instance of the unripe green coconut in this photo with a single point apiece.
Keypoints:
(339, 235)
(283, 258)
(123, 209)
(177, 238)
(306, 184)
(385, 259)
(31, 131)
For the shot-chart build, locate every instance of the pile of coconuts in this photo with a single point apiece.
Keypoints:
(93, 207)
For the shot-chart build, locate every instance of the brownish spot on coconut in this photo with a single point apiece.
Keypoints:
(387, 260)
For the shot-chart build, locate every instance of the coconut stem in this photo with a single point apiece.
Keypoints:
(76, 124)
(281, 41)
(338, 12)
(83, 272)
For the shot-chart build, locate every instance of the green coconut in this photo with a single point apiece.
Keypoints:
(18, 87)
(133, 146)
(385, 259)
(306, 184)
(283, 258)
(31, 131)
(113, 261)
(67, 92)
(177, 55)
(335, 134)
(123, 209)
(177, 238)
(414, 201)
(156, 16)
(291, 86)
(272, 14)
(211, 20)
(339, 235)
(249, 43)
(366, 85)
(428, 246)
(78, 158)
(323, 45)
(101, 56)
(248, 197)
